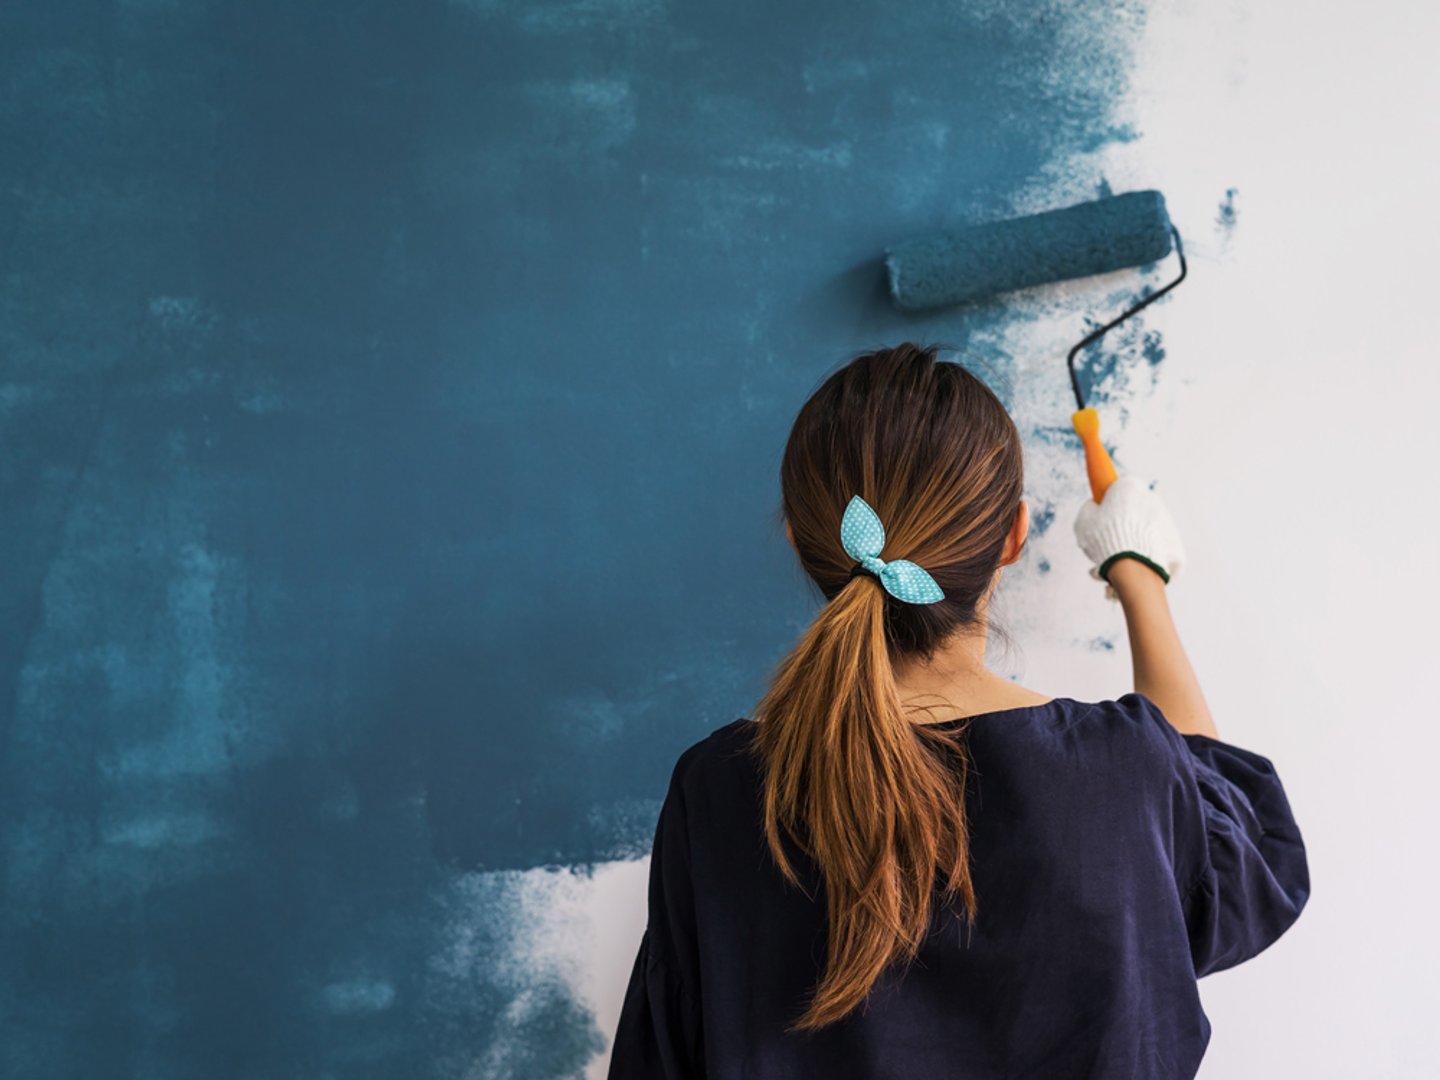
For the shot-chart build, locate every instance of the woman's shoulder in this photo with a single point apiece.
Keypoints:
(1130, 721)
(1130, 715)
(1135, 739)
(1131, 718)
(1125, 738)
(717, 747)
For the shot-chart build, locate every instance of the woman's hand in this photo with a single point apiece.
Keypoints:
(1133, 542)
(1132, 523)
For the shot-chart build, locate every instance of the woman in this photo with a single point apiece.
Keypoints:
(904, 865)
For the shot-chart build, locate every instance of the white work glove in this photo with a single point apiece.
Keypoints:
(1131, 519)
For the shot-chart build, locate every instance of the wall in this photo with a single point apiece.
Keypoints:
(390, 408)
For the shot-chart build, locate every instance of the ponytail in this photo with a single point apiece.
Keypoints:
(873, 797)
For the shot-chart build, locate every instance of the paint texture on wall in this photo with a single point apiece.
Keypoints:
(391, 402)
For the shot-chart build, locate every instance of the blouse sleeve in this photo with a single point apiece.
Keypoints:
(659, 1036)
(1243, 872)
(658, 1033)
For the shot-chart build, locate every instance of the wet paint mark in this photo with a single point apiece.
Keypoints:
(244, 726)
(1108, 370)
(1042, 519)
(1055, 434)
(1152, 347)
(1226, 216)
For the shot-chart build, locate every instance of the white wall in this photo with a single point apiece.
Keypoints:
(1301, 451)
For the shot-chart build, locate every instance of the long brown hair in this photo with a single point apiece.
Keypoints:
(873, 797)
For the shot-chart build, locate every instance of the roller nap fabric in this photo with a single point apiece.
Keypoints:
(964, 265)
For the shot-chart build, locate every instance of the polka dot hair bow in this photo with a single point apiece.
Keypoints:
(863, 538)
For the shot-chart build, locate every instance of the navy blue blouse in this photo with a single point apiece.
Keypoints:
(1115, 861)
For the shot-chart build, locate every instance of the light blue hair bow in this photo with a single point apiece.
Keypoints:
(863, 537)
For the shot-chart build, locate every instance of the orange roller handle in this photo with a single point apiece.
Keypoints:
(1098, 465)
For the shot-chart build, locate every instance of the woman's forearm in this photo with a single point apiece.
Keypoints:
(1162, 670)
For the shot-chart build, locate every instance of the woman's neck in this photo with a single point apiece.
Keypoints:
(957, 683)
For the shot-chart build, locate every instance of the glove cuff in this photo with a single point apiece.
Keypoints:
(1104, 568)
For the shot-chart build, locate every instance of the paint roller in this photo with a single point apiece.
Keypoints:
(963, 266)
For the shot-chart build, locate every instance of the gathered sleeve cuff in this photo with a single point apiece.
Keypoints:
(1240, 858)
(660, 1035)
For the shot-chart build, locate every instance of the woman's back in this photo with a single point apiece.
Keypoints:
(842, 890)
(1114, 859)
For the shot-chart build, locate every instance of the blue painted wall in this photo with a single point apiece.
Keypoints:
(391, 402)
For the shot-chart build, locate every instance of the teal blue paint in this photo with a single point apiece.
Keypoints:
(1101, 644)
(1044, 566)
(1152, 347)
(1226, 216)
(1115, 133)
(338, 349)
(1108, 370)
(1054, 435)
(1041, 519)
